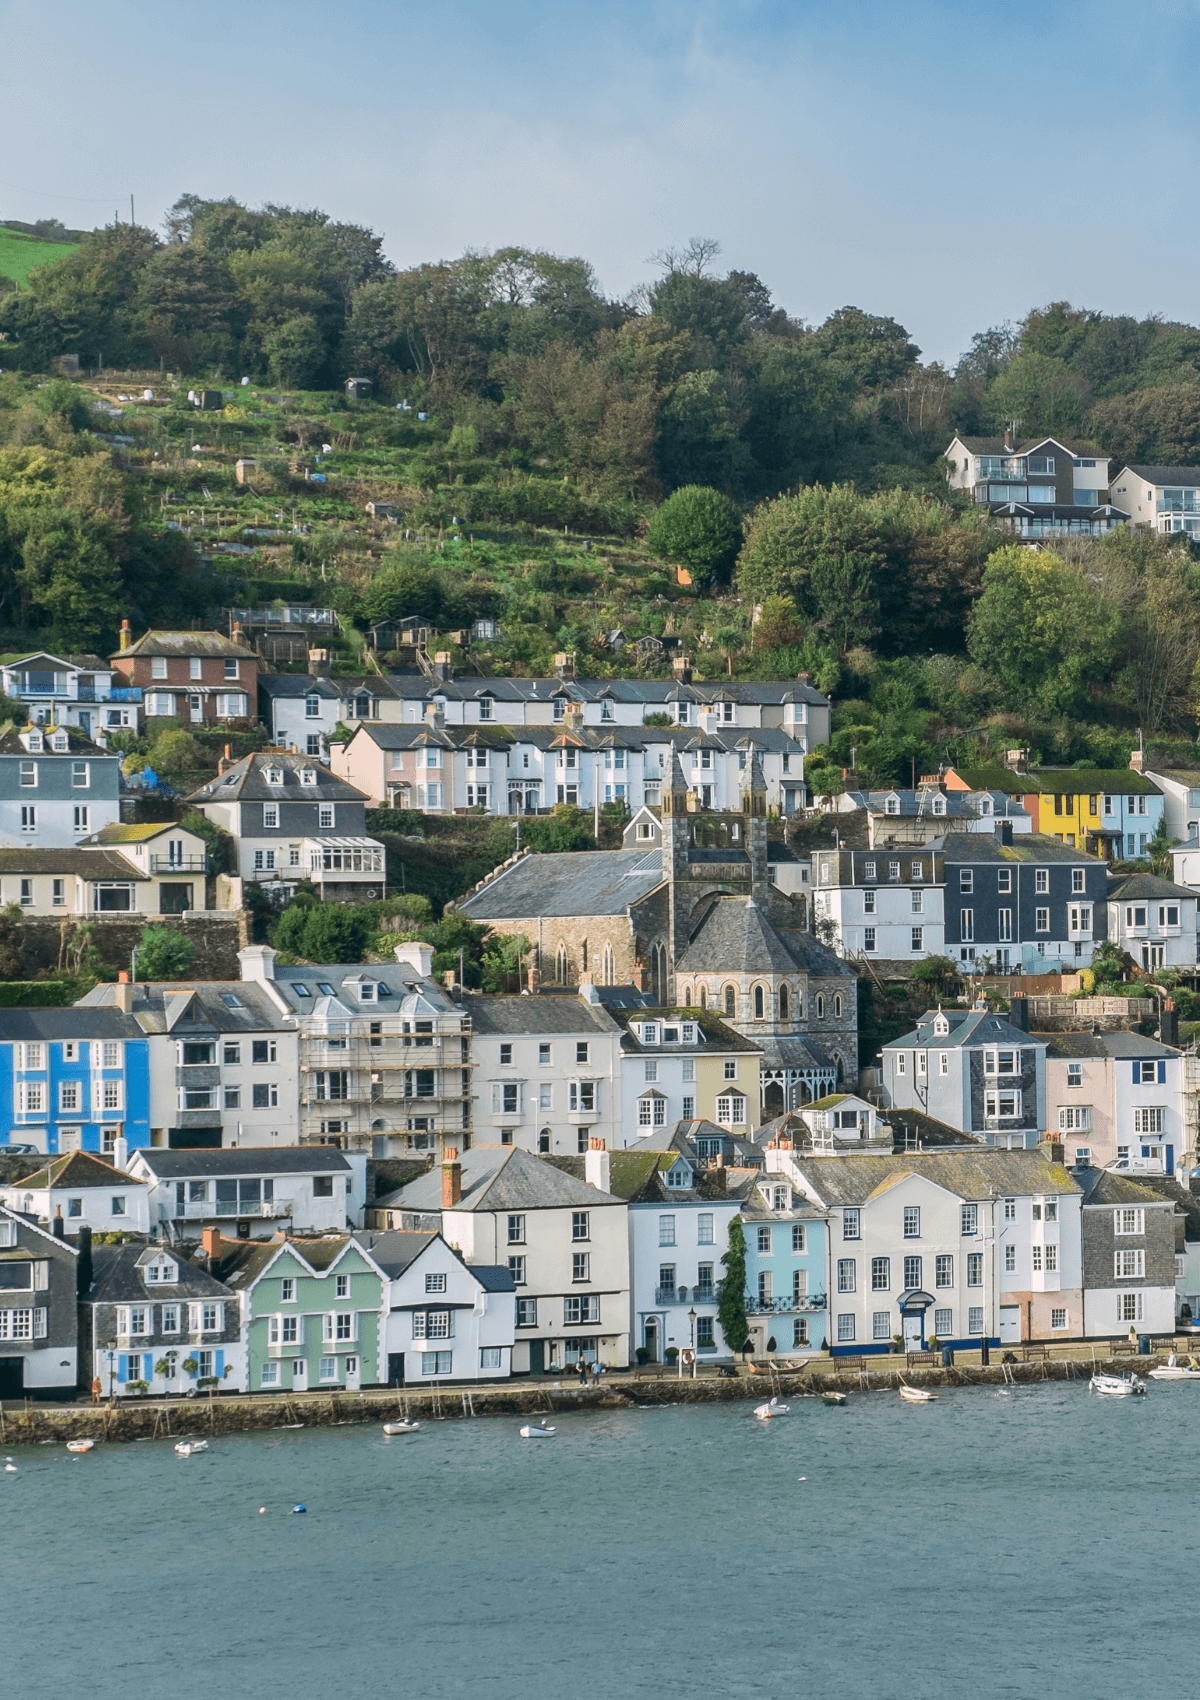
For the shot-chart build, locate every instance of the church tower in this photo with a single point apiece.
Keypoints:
(754, 817)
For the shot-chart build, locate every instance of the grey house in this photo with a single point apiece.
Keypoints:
(1128, 1256)
(38, 1317)
(293, 820)
(973, 1070)
(56, 787)
(156, 1323)
(1023, 901)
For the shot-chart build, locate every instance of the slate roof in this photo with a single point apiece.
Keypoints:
(1102, 1186)
(967, 1027)
(740, 1150)
(185, 643)
(1036, 847)
(496, 1177)
(246, 781)
(637, 1177)
(88, 864)
(502, 735)
(78, 1022)
(736, 936)
(77, 744)
(1131, 888)
(395, 1249)
(651, 692)
(716, 1035)
(1118, 1046)
(1048, 780)
(579, 882)
(77, 1169)
(401, 979)
(244, 1160)
(299, 685)
(134, 832)
(976, 1173)
(997, 446)
(1166, 1186)
(957, 803)
(117, 1277)
(166, 1006)
(1181, 475)
(536, 1015)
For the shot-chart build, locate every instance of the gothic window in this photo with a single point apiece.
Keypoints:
(730, 1000)
(560, 965)
(837, 1005)
(608, 969)
(759, 1006)
(783, 1003)
(704, 997)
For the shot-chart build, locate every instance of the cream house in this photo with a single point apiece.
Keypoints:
(1160, 498)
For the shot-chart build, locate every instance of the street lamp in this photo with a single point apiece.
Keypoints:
(111, 1360)
(692, 1325)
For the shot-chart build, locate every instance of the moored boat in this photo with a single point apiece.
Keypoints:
(80, 1445)
(916, 1395)
(185, 1448)
(537, 1431)
(405, 1426)
(772, 1408)
(1117, 1386)
(834, 1398)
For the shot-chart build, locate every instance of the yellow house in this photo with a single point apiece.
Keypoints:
(685, 1065)
(1110, 812)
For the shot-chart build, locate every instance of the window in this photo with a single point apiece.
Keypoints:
(584, 1307)
(845, 1326)
(943, 1270)
(526, 1313)
(704, 1228)
(975, 1319)
(325, 817)
(666, 1230)
(869, 938)
(912, 1222)
(881, 1325)
(1004, 879)
(79, 774)
(1075, 1118)
(731, 1110)
(432, 1363)
(1003, 1105)
(851, 1224)
(28, 774)
(28, 817)
(581, 1266)
(1010, 1209)
(966, 925)
(1004, 930)
(912, 1272)
(1129, 1264)
(966, 879)
(1037, 1259)
(1041, 920)
(1148, 1120)
(579, 1225)
(764, 1240)
(1129, 1307)
(974, 1269)
(516, 1230)
(1129, 1221)
(516, 1268)
(846, 1274)
(881, 1274)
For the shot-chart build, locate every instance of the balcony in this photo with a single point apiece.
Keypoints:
(686, 1295)
(125, 693)
(178, 864)
(808, 1306)
(1188, 503)
(269, 1210)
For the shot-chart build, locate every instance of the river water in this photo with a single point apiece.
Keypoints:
(1031, 1543)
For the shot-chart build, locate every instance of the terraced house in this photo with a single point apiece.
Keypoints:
(200, 677)
(158, 1324)
(56, 787)
(1111, 812)
(39, 1330)
(1031, 903)
(73, 1080)
(312, 1311)
(975, 1071)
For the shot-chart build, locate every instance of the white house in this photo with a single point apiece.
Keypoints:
(547, 1072)
(965, 1245)
(1117, 1097)
(72, 690)
(565, 1242)
(303, 1189)
(1154, 920)
(82, 1190)
(162, 1323)
(1160, 498)
(442, 1318)
(888, 905)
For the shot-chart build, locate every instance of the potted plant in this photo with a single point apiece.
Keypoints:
(933, 1344)
(137, 1387)
(209, 1381)
(897, 1343)
(163, 1369)
(190, 1366)
(671, 1353)
(642, 1354)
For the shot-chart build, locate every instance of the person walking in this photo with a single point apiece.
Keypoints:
(97, 1390)
(596, 1373)
(581, 1369)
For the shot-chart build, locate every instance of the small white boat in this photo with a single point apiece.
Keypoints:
(80, 1445)
(772, 1408)
(916, 1395)
(185, 1448)
(1117, 1386)
(1173, 1370)
(536, 1431)
(405, 1427)
(834, 1398)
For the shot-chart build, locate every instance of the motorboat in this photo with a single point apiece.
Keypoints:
(1117, 1386)
(834, 1398)
(1173, 1370)
(537, 1431)
(916, 1395)
(80, 1445)
(406, 1426)
(185, 1448)
(772, 1408)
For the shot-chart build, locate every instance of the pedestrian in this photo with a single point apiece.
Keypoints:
(581, 1368)
(596, 1373)
(97, 1389)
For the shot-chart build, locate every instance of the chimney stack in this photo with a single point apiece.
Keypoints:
(1137, 761)
(59, 1226)
(597, 1165)
(1168, 1026)
(226, 760)
(210, 1239)
(126, 640)
(236, 632)
(123, 994)
(1018, 1013)
(451, 1178)
(1010, 437)
(535, 977)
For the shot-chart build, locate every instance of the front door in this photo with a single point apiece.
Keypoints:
(395, 1369)
(85, 722)
(12, 1378)
(652, 1338)
(537, 1357)
(912, 1330)
(196, 705)
(1010, 1324)
(353, 1374)
(299, 1375)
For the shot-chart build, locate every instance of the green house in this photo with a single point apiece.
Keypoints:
(311, 1311)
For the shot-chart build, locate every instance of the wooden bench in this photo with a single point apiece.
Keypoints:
(1029, 1353)
(1117, 1347)
(921, 1358)
(654, 1369)
(848, 1363)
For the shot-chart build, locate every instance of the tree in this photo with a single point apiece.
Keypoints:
(12, 955)
(843, 588)
(731, 1310)
(219, 844)
(164, 953)
(175, 751)
(696, 527)
(778, 625)
(1040, 628)
(323, 932)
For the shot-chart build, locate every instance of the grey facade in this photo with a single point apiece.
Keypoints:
(1129, 1244)
(1026, 902)
(56, 787)
(974, 1071)
(38, 1316)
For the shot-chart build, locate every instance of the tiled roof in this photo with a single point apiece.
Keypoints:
(89, 864)
(542, 1015)
(166, 1006)
(78, 1169)
(717, 1037)
(1104, 1186)
(1182, 475)
(979, 1172)
(498, 1177)
(186, 644)
(247, 780)
(1129, 887)
(118, 1278)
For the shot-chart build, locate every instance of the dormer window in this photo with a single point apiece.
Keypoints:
(485, 708)
(689, 1033)
(892, 806)
(939, 805)
(308, 776)
(670, 1035)
(60, 741)
(679, 1175)
(35, 743)
(985, 805)
(274, 776)
(366, 992)
(649, 1033)
(940, 1026)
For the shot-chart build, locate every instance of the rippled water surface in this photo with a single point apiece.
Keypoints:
(1034, 1543)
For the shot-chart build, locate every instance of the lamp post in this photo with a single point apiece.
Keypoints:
(692, 1325)
(111, 1360)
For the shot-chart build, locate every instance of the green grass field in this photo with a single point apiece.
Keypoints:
(19, 253)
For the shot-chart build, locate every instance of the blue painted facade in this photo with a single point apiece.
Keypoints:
(786, 1265)
(1029, 903)
(73, 1079)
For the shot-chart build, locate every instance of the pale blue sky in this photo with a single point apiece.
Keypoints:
(952, 164)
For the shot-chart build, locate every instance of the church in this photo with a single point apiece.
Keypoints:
(685, 912)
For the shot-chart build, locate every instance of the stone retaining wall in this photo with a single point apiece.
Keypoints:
(217, 934)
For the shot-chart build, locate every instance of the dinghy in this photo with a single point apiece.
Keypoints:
(185, 1448)
(772, 1408)
(404, 1427)
(80, 1445)
(916, 1395)
(1173, 1370)
(834, 1398)
(536, 1431)
(1117, 1386)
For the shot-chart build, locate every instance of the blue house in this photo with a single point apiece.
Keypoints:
(73, 1080)
(56, 787)
(978, 1072)
(786, 1261)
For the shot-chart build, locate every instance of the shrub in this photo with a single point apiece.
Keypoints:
(164, 953)
(697, 527)
(323, 932)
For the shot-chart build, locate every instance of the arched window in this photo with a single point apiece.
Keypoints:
(758, 1003)
(837, 1005)
(583, 956)
(783, 1003)
(730, 1001)
(660, 974)
(608, 966)
(544, 1142)
(820, 1006)
(560, 965)
(841, 1066)
(704, 997)
(685, 998)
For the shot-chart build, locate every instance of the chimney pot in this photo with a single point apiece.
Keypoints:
(60, 1227)
(210, 1239)
(126, 635)
(451, 1178)
(123, 977)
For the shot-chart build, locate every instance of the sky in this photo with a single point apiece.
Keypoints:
(950, 164)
